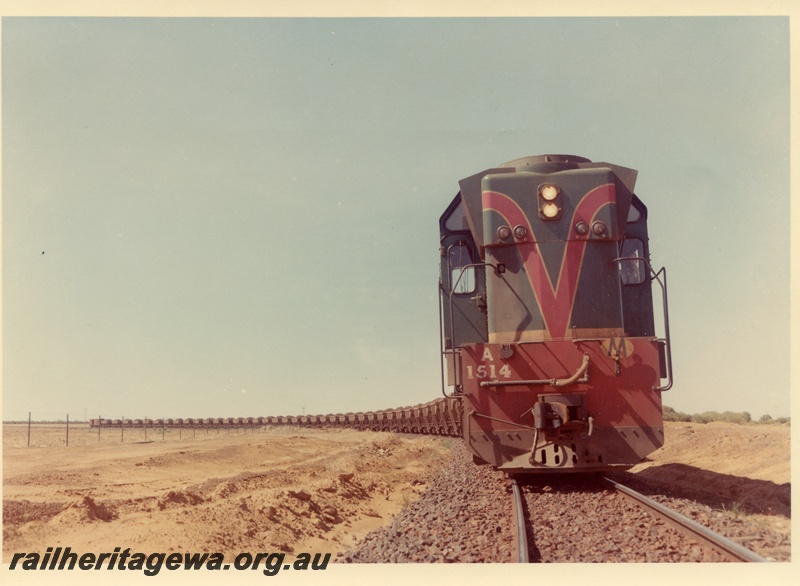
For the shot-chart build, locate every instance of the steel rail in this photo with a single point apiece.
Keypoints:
(723, 545)
(519, 515)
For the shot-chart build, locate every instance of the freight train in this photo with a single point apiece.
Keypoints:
(550, 357)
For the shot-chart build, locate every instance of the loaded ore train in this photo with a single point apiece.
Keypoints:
(550, 357)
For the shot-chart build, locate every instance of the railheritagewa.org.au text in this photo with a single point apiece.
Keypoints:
(63, 558)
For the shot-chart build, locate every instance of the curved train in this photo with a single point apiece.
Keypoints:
(437, 417)
(550, 358)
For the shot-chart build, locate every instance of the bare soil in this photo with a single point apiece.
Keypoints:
(295, 490)
(743, 466)
(286, 490)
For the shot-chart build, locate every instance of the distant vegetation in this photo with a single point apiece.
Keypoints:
(727, 416)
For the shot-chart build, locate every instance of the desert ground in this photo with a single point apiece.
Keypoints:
(745, 466)
(301, 490)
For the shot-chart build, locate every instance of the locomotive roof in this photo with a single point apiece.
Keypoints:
(554, 163)
(569, 161)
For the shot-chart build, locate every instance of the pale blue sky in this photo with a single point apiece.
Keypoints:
(238, 217)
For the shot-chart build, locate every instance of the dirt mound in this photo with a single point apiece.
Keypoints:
(85, 511)
(760, 452)
(744, 467)
(21, 512)
(179, 497)
(318, 491)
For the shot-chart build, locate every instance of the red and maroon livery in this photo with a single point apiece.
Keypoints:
(547, 317)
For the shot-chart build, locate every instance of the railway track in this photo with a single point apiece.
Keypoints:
(459, 519)
(521, 523)
(556, 531)
(729, 549)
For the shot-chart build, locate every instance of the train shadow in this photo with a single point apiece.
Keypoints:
(715, 490)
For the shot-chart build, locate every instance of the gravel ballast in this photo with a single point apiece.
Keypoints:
(465, 516)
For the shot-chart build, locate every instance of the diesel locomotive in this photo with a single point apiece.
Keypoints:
(548, 325)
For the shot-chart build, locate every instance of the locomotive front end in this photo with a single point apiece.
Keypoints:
(548, 322)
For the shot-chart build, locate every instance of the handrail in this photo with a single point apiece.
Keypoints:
(663, 285)
(581, 376)
(441, 340)
(498, 269)
(667, 339)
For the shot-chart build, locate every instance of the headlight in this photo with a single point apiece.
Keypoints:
(550, 210)
(549, 201)
(548, 192)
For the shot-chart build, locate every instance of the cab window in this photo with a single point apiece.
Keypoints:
(462, 280)
(632, 272)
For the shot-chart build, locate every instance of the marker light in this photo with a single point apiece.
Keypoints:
(550, 210)
(548, 192)
(520, 232)
(504, 232)
(599, 228)
(582, 228)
